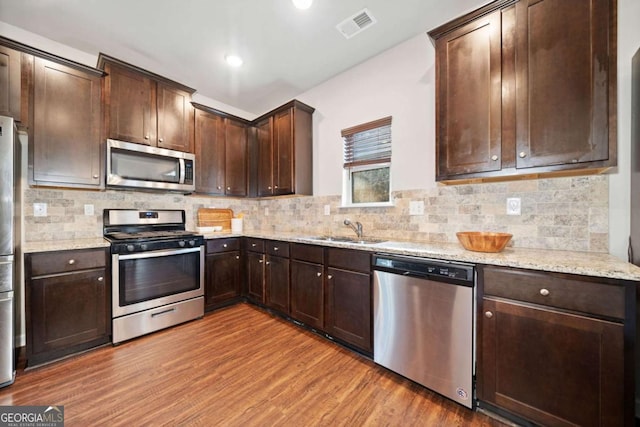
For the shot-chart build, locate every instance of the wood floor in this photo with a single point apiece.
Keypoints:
(239, 366)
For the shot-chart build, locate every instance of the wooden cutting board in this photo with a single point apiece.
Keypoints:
(212, 217)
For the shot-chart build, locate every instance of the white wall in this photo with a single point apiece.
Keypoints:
(619, 190)
(400, 82)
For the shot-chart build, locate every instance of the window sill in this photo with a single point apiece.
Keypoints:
(369, 205)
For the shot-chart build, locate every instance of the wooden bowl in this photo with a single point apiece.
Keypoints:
(483, 241)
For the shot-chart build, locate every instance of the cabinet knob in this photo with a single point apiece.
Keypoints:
(544, 292)
(267, 263)
(225, 245)
(146, 137)
(253, 245)
(261, 261)
(275, 186)
(160, 139)
(488, 314)
(219, 187)
(72, 261)
(329, 277)
(318, 274)
(275, 248)
(494, 157)
(237, 256)
(228, 188)
(522, 154)
(100, 279)
(269, 188)
(95, 177)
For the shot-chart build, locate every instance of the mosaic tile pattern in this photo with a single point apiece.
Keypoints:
(557, 213)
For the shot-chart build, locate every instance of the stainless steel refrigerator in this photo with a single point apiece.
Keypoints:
(9, 246)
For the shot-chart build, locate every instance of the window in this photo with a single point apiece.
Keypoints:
(367, 164)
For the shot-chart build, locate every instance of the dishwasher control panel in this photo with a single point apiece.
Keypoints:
(424, 267)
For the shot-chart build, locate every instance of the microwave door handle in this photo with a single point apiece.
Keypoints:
(182, 167)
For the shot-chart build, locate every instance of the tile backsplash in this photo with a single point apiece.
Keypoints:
(556, 213)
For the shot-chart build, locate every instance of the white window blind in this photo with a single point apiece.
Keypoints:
(368, 143)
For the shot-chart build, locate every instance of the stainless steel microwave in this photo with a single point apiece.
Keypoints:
(138, 166)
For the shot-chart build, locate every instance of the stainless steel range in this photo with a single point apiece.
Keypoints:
(157, 271)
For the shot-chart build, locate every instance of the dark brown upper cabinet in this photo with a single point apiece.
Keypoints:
(65, 143)
(221, 148)
(526, 87)
(145, 108)
(10, 82)
(283, 150)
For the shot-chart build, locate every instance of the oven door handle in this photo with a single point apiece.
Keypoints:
(155, 254)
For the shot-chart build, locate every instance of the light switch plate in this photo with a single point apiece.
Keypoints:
(416, 207)
(513, 206)
(39, 209)
(266, 211)
(327, 209)
(89, 210)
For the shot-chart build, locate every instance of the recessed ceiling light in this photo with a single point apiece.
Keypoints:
(302, 4)
(233, 60)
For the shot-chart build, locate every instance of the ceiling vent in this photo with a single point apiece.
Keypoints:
(356, 23)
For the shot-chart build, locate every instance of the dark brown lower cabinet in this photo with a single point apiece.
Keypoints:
(551, 348)
(277, 283)
(349, 307)
(255, 276)
(67, 303)
(222, 273)
(551, 367)
(307, 293)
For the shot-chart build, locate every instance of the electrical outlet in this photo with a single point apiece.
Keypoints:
(416, 207)
(39, 209)
(266, 211)
(89, 210)
(513, 206)
(327, 209)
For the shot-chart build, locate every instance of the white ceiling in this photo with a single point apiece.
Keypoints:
(286, 51)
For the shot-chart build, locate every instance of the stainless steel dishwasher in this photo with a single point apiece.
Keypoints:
(424, 321)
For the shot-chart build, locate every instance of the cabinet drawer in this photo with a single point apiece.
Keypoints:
(254, 245)
(555, 290)
(309, 253)
(273, 247)
(222, 245)
(63, 261)
(349, 259)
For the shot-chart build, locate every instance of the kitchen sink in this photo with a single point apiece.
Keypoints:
(358, 240)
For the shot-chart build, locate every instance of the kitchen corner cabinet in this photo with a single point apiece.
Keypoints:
(222, 273)
(221, 149)
(551, 347)
(145, 108)
(284, 140)
(68, 299)
(65, 140)
(10, 83)
(307, 284)
(526, 87)
(276, 276)
(349, 307)
(254, 269)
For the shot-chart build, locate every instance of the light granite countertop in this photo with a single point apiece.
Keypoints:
(64, 245)
(582, 263)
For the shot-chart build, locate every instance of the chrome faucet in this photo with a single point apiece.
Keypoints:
(357, 227)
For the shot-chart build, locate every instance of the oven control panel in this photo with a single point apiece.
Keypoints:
(156, 245)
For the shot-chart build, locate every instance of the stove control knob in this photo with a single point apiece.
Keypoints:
(192, 242)
(182, 243)
(143, 246)
(130, 248)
